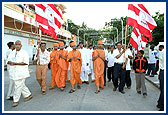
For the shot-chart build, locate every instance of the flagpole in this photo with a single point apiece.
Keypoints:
(125, 45)
(37, 42)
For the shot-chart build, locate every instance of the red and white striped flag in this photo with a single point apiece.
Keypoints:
(139, 17)
(49, 18)
(137, 40)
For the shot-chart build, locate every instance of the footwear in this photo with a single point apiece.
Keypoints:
(64, 86)
(114, 89)
(104, 84)
(51, 88)
(28, 98)
(139, 92)
(102, 88)
(15, 104)
(151, 76)
(78, 86)
(71, 91)
(158, 106)
(86, 82)
(122, 92)
(62, 89)
(109, 80)
(93, 81)
(43, 92)
(97, 91)
(10, 98)
(129, 87)
(144, 95)
(83, 82)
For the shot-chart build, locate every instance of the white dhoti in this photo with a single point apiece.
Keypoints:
(20, 88)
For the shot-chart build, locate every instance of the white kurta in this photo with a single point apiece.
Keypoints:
(69, 73)
(128, 53)
(11, 83)
(91, 64)
(84, 68)
(19, 73)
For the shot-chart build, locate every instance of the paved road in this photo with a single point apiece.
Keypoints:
(83, 99)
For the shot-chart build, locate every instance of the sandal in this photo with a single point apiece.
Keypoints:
(51, 88)
(71, 91)
(97, 91)
(62, 89)
(78, 87)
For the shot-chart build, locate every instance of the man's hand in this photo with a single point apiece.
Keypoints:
(11, 63)
(123, 67)
(123, 51)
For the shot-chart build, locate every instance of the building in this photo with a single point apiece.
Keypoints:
(19, 24)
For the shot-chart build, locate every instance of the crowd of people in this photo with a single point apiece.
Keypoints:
(77, 63)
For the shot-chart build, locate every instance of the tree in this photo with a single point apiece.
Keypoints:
(158, 32)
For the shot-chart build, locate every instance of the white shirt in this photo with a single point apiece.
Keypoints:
(121, 59)
(69, 49)
(152, 59)
(106, 54)
(161, 59)
(19, 71)
(110, 59)
(85, 58)
(7, 54)
(44, 57)
(90, 58)
(34, 50)
(128, 53)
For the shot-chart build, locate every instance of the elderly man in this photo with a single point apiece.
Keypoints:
(19, 61)
(43, 59)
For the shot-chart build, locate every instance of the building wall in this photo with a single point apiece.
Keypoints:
(25, 44)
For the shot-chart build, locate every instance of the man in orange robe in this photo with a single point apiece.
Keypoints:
(53, 65)
(98, 65)
(62, 67)
(74, 57)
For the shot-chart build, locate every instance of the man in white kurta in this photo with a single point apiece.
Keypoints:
(90, 50)
(19, 61)
(85, 64)
(9, 96)
(69, 73)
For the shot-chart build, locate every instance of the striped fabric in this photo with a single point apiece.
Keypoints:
(139, 17)
(49, 19)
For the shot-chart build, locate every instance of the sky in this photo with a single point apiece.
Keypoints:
(95, 14)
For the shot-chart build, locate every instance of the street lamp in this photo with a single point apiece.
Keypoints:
(117, 32)
(78, 34)
(122, 30)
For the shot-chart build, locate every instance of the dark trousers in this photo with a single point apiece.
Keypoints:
(49, 66)
(119, 71)
(128, 78)
(161, 97)
(157, 66)
(111, 72)
(105, 66)
(33, 57)
(151, 67)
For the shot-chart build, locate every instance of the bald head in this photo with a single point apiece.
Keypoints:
(18, 45)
